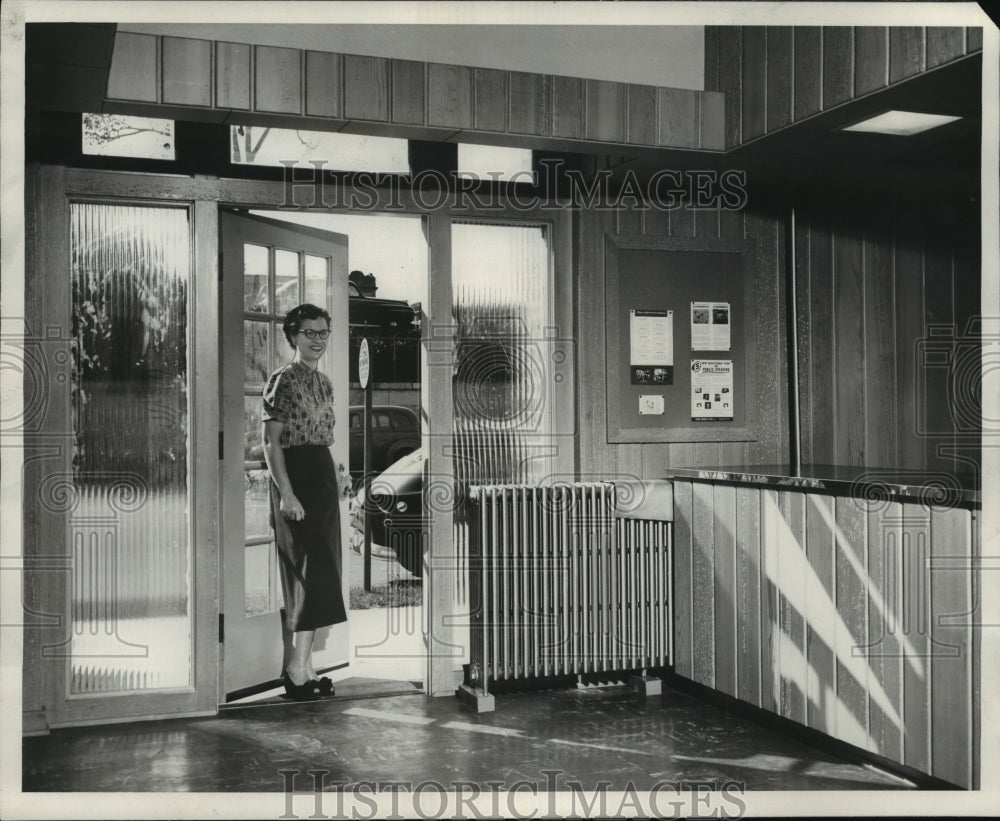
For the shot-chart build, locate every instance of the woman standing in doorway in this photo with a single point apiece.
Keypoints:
(305, 511)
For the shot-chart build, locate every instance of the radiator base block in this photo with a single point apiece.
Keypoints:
(476, 699)
(646, 685)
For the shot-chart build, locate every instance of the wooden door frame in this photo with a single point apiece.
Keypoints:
(206, 195)
(48, 269)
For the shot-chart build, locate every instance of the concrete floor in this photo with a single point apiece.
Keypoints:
(593, 736)
(588, 735)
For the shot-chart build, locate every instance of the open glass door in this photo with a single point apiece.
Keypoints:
(269, 267)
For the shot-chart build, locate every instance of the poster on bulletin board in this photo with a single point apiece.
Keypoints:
(651, 347)
(710, 326)
(712, 390)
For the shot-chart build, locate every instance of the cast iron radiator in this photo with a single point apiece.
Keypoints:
(561, 584)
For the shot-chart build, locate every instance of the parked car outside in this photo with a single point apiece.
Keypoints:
(395, 433)
(397, 520)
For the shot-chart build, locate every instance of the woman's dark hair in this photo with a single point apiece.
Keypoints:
(298, 314)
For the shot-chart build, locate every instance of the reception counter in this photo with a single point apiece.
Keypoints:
(842, 599)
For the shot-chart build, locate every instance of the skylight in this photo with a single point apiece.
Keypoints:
(901, 123)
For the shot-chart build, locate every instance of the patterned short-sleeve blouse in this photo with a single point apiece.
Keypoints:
(301, 398)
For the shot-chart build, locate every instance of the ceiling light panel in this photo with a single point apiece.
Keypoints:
(901, 123)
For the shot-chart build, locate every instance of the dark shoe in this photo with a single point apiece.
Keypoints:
(301, 692)
(326, 687)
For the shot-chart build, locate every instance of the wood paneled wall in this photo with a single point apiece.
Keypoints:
(241, 83)
(596, 457)
(845, 615)
(773, 76)
(884, 302)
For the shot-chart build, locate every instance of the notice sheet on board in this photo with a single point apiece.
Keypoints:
(710, 326)
(712, 390)
(651, 347)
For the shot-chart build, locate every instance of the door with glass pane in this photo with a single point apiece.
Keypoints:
(130, 497)
(269, 267)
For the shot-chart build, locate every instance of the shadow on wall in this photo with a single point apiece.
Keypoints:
(851, 616)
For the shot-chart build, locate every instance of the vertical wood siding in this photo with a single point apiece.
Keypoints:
(530, 102)
(323, 83)
(366, 88)
(677, 116)
(774, 75)
(724, 572)
(278, 80)
(951, 663)
(838, 65)
(906, 52)
(873, 294)
(808, 84)
(753, 82)
(748, 594)
(282, 85)
(232, 76)
(871, 58)
(793, 606)
(187, 71)
(134, 70)
(408, 93)
(913, 628)
(702, 581)
(847, 615)
(885, 666)
(730, 79)
(819, 345)
(766, 315)
(779, 77)
(683, 593)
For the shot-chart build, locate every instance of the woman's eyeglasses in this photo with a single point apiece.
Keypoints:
(309, 334)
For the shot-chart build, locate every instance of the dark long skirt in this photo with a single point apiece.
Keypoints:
(309, 550)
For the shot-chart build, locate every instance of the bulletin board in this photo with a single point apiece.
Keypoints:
(653, 395)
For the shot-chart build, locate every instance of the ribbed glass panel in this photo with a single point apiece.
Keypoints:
(131, 593)
(502, 394)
